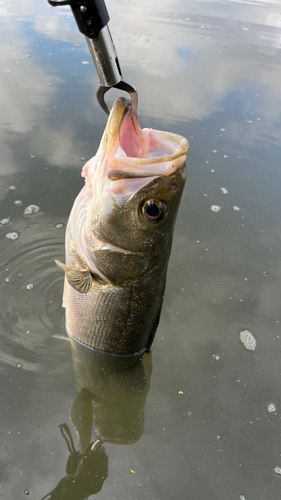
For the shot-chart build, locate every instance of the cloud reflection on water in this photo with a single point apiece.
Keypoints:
(182, 68)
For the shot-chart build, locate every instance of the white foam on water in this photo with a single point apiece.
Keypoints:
(271, 408)
(12, 236)
(30, 286)
(277, 470)
(59, 226)
(224, 191)
(215, 208)
(18, 203)
(31, 209)
(248, 340)
(5, 221)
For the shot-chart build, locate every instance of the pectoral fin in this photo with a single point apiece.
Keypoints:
(80, 280)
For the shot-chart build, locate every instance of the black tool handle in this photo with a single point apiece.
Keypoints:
(90, 15)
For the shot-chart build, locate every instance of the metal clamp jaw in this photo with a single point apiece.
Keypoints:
(92, 19)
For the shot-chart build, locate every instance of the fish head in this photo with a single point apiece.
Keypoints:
(133, 190)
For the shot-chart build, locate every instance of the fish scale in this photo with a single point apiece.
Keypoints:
(129, 313)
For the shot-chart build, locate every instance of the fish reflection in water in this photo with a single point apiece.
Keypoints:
(112, 392)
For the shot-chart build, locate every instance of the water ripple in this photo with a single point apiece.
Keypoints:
(31, 286)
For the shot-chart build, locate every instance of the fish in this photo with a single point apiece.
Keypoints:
(119, 235)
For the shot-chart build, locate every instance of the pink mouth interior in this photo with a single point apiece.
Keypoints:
(131, 139)
(146, 143)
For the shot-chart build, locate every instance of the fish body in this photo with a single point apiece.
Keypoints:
(119, 235)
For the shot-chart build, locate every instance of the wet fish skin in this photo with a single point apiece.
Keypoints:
(115, 257)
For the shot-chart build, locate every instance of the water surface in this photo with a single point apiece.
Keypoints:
(206, 423)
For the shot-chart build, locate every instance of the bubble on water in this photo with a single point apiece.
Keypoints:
(7, 279)
(225, 156)
(12, 188)
(271, 408)
(212, 171)
(242, 497)
(245, 29)
(223, 130)
(216, 356)
(31, 209)
(236, 208)
(85, 62)
(277, 470)
(214, 151)
(59, 226)
(83, 158)
(30, 286)
(5, 221)
(215, 208)
(18, 203)
(12, 236)
(249, 121)
(248, 340)
(224, 190)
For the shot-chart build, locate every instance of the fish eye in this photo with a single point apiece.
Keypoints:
(153, 210)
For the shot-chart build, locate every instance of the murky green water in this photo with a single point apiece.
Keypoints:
(208, 427)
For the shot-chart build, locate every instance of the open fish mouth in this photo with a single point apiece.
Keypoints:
(129, 153)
